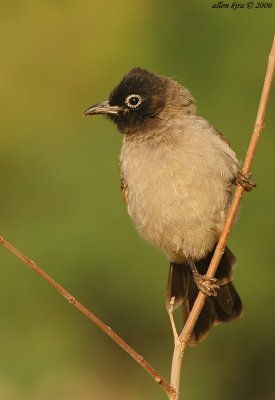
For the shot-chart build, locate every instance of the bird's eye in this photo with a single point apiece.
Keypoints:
(133, 101)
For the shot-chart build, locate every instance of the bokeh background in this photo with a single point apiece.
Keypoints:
(60, 200)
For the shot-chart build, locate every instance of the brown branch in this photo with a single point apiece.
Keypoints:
(199, 303)
(106, 329)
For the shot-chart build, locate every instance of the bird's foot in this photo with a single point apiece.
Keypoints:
(206, 284)
(243, 180)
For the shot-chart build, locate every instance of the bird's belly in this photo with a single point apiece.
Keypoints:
(182, 213)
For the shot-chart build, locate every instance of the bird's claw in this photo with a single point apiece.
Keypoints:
(243, 180)
(206, 284)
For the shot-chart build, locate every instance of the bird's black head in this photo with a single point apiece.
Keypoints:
(138, 98)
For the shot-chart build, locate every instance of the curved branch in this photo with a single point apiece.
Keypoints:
(105, 328)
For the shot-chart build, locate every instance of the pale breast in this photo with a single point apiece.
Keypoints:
(177, 195)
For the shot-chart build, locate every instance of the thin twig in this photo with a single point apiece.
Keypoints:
(106, 329)
(171, 316)
(199, 303)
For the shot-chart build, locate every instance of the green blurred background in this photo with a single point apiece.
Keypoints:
(60, 199)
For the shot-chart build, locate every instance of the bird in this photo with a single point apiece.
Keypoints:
(177, 173)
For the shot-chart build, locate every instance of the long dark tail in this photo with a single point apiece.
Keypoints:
(225, 307)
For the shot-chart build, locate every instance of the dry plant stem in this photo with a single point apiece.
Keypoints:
(198, 305)
(106, 329)
(171, 316)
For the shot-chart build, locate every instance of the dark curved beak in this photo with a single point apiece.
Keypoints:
(102, 108)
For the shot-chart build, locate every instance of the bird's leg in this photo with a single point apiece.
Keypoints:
(204, 283)
(244, 181)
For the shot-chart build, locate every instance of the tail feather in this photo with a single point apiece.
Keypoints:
(177, 285)
(226, 306)
(206, 318)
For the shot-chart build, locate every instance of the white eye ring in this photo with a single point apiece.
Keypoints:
(131, 97)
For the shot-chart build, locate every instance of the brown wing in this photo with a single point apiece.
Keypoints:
(223, 137)
(123, 188)
(240, 178)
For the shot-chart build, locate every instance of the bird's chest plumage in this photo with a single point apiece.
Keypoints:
(175, 196)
